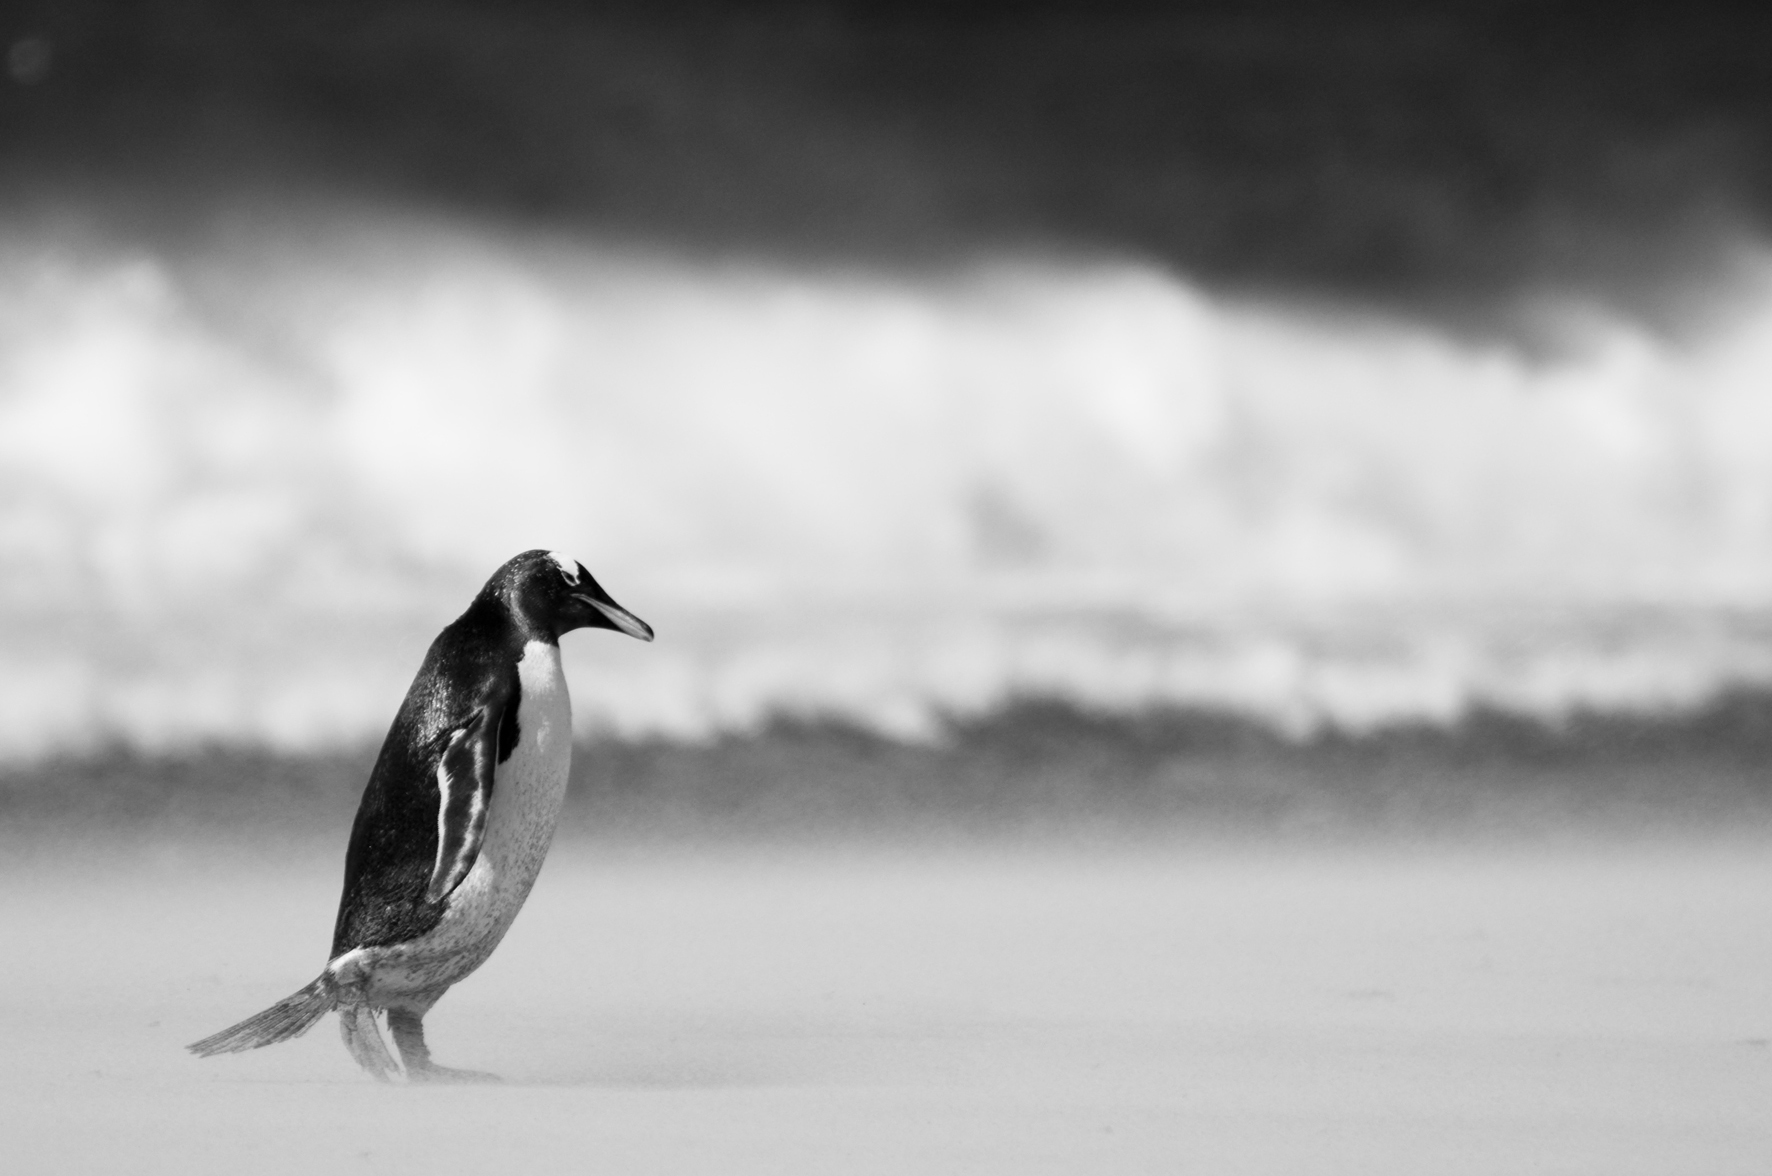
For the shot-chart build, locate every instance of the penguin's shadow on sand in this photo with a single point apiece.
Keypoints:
(708, 1057)
(687, 1074)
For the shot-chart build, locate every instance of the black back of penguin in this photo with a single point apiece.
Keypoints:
(394, 839)
(468, 683)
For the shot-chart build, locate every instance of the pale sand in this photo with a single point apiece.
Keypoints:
(1272, 1011)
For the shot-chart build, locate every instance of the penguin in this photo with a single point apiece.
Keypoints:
(456, 818)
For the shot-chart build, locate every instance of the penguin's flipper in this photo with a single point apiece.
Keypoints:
(464, 781)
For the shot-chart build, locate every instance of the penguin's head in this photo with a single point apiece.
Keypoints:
(554, 593)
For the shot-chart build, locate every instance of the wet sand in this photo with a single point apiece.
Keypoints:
(1573, 1010)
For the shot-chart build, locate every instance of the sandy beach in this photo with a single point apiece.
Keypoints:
(1213, 1010)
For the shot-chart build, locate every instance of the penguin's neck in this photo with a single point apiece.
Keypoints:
(544, 707)
(531, 784)
(495, 610)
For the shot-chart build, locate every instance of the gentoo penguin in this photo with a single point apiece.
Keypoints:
(456, 819)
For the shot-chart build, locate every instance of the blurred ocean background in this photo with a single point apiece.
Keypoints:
(1342, 378)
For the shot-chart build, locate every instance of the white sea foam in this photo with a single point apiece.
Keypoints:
(241, 483)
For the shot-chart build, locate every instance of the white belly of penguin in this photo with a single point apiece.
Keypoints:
(527, 792)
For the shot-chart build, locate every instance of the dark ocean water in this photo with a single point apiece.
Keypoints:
(1034, 772)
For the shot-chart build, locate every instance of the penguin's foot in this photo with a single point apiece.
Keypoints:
(408, 1029)
(432, 1072)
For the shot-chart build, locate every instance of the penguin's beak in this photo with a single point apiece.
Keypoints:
(606, 614)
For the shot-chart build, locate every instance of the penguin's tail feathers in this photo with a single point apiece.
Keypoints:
(290, 1017)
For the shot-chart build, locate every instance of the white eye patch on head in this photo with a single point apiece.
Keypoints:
(568, 567)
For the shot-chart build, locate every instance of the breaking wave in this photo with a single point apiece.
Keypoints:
(243, 480)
